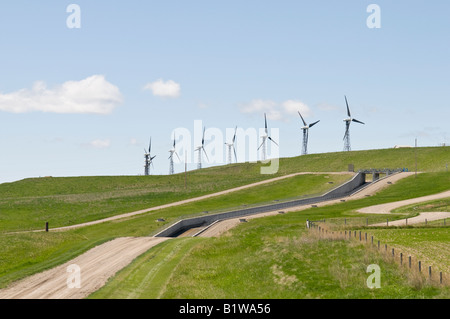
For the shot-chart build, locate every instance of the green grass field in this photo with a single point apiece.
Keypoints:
(275, 257)
(29, 203)
(22, 254)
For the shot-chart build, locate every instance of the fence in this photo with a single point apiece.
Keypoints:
(412, 264)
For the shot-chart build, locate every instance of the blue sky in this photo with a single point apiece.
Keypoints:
(85, 101)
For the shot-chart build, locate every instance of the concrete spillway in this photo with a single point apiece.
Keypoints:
(181, 227)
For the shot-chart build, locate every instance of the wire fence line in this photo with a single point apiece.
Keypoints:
(414, 266)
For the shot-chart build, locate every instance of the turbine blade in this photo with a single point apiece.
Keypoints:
(312, 124)
(178, 156)
(355, 120)
(234, 137)
(235, 156)
(152, 158)
(273, 141)
(150, 145)
(265, 121)
(261, 144)
(302, 118)
(205, 154)
(348, 110)
(203, 136)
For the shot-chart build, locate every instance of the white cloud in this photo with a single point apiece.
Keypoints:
(276, 111)
(164, 89)
(292, 107)
(91, 95)
(99, 143)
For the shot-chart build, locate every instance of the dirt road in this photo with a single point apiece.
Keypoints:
(95, 267)
(388, 207)
(425, 216)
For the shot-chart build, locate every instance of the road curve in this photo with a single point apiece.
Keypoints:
(388, 207)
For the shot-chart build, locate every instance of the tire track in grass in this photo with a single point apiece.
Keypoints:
(148, 275)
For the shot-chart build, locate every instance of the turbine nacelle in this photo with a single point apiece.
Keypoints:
(266, 136)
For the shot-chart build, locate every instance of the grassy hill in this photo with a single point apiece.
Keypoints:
(429, 159)
(276, 257)
(27, 204)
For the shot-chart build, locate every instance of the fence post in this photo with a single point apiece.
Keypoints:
(401, 259)
(378, 245)
(409, 258)
(420, 266)
(429, 271)
(387, 221)
(359, 235)
(46, 226)
(440, 277)
(392, 252)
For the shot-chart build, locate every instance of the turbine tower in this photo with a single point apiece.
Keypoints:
(305, 129)
(172, 151)
(199, 150)
(347, 121)
(230, 146)
(148, 158)
(264, 138)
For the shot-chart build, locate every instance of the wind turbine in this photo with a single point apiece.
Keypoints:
(148, 158)
(305, 129)
(172, 151)
(347, 121)
(231, 145)
(199, 150)
(264, 137)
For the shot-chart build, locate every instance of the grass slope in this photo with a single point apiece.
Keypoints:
(63, 201)
(29, 203)
(22, 254)
(274, 257)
